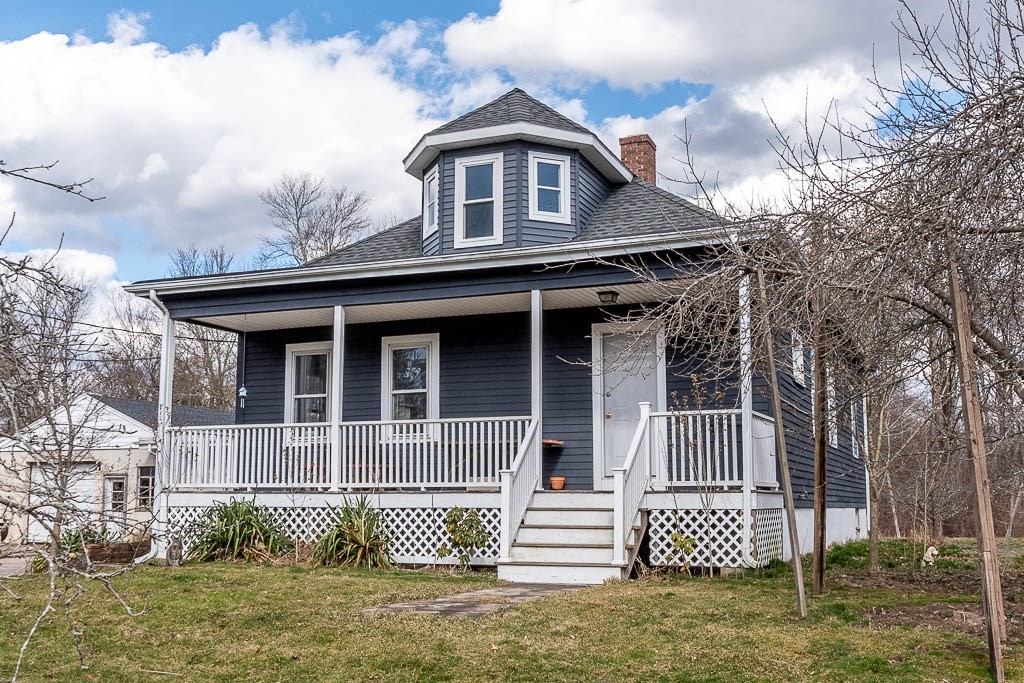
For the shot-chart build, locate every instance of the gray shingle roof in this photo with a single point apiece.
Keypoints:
(639, 208)
(181, 416)
(630, 210)
(513, 107)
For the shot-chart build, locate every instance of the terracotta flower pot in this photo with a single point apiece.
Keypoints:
(557, 483)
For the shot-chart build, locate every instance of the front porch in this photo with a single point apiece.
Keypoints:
(438, 375)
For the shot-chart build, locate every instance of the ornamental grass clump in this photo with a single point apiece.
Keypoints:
(238, 530)
(357, 538)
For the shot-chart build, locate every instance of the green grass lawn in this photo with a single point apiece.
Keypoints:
(224, 622)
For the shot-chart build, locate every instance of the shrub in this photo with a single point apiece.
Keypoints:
(238, 530)
(466, 534)
(357, 538)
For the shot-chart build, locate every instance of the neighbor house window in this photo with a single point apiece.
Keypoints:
(430, 203)
(854, 430)
(147, 482)
(409, 377)
(115, 492)
(549, 176)
(478, 200)
(307, 380)
(798, 360)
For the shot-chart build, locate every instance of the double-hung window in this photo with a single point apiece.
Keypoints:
(147, 482)
(549, 176)
(409, 377)
(832, 413)
(478, 200)
(307, 380)
(430, 217)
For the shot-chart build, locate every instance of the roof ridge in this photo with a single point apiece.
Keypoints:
(511, 100)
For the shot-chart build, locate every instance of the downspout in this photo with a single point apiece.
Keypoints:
(747, 420)
(157, 486)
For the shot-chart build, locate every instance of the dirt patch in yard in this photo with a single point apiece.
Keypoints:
(943, 616)
(951, 582)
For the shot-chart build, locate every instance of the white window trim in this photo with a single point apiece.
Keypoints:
(291, 351)
(798, 361)
(431, 228)
(832, 412)
(854, 431)
(497, 190)
(387, 345)
(562, 161)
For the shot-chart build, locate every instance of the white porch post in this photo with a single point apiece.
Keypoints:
(162, 478)
(537, 376)
(747, 413)
(337, 394)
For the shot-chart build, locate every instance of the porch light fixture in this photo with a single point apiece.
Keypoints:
(608, 297)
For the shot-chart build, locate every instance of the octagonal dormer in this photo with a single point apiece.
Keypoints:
(511, 173)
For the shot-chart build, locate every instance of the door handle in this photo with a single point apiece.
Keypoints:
(607, 416)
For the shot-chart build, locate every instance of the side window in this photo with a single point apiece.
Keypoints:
(549, 187)
(798, 361)
(833, 415)
(430, 217)
(409, 377)
(147, 480)
(307, 379)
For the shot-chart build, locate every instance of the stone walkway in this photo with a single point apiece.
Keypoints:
(12, 566)
(475, 603)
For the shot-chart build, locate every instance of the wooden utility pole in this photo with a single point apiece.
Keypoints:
(821, 439)
(963, 347)
(780, 449)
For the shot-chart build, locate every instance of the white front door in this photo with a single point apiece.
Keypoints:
(628, 374)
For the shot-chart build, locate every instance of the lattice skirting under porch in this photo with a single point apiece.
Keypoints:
(416, 532)
(717, 536)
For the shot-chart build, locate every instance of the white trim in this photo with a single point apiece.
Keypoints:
(497, 163)
(305, 349)
(747, 415)
(432, 342)
(549, 254)
(798, 360)
(589, 145)
(431, 228)
(565, 196)
(597, 332)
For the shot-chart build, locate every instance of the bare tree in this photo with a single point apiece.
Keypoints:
(310, 219)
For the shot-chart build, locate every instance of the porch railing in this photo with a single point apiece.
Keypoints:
(631, 482)
(364, 455)
(703, 448)
(518, 483)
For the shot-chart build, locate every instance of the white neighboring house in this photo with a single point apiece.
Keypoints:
(113, 480)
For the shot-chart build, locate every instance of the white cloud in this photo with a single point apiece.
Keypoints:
(180, 143)
(127, 27)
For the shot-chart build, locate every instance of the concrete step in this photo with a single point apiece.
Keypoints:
(570, 516)
(573, 499)
(554, 572)
(565, 535)
(560, 552)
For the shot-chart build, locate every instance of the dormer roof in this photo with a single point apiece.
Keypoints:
(515, 106)
(515, 116)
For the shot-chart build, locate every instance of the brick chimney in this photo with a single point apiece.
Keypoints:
(638, 156)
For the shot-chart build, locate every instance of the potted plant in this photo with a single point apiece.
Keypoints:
(557, 483)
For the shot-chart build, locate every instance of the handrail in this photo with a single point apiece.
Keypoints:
(447, 420)
(518, 483)
(631, 483)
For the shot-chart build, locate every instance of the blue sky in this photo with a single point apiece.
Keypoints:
(183, 114)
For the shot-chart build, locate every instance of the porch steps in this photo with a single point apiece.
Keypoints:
(566, 537)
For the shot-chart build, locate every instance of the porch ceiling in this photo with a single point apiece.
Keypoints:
(584, 297)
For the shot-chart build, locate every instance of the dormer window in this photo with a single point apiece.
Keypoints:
(430, 203)
(478, 200)
(549, 175)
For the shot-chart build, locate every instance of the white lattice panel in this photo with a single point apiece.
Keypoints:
(718, 535)
(415, 532)
(767, 536)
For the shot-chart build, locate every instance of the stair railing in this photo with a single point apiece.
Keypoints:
(518, 483)
(631, 483)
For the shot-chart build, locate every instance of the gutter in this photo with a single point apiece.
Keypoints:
(539, 256)
(157, 488)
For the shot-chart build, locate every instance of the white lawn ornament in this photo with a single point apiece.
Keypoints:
(929, 557)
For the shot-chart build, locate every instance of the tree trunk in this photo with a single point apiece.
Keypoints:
(876, 498)
(821, 418)
(992, 593)
(892, 503)
(1014, 503)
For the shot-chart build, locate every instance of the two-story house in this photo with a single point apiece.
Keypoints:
(466, 356)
